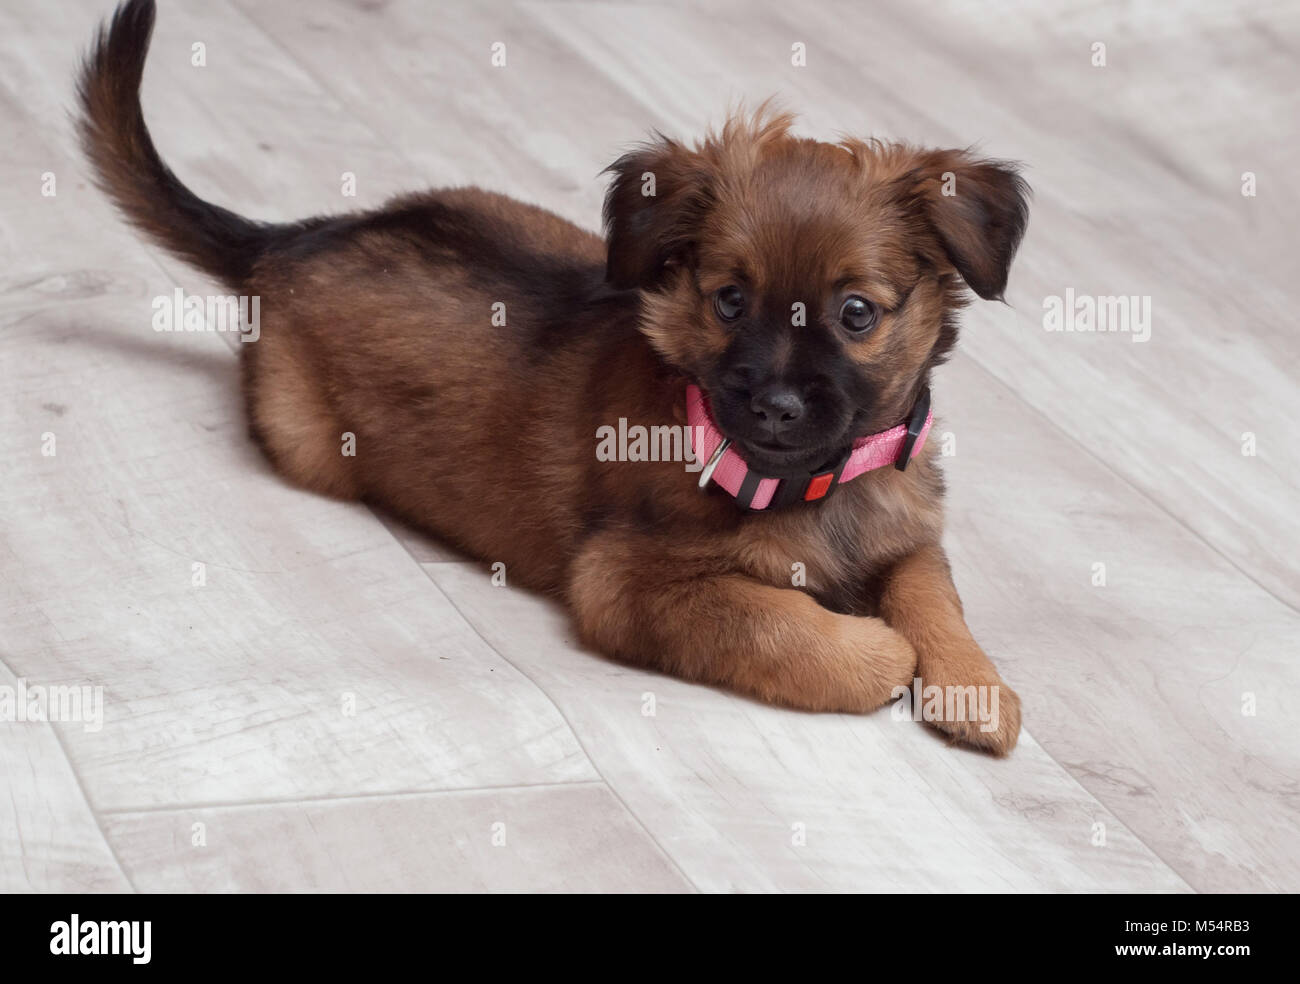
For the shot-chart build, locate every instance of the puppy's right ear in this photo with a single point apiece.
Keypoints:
(653, 210)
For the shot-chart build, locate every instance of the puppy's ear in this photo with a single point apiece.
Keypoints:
(979, 209)
(653, 211)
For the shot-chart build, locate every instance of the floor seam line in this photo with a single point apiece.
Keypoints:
(345, 797)
(81, 788)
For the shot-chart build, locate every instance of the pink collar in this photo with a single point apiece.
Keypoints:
(724, 465)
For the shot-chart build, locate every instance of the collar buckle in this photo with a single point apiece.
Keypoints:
(816, 487)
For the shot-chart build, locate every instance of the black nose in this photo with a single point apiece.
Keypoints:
(776, 404)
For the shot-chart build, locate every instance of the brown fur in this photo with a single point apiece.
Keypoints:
(379, 325)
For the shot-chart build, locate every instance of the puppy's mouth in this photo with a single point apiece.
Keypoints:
(779, 461)
(776, 458)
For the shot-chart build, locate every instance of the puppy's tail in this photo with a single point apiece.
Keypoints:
(129, 170)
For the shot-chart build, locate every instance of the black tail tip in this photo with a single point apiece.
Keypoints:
(133, 17)
(118, 50)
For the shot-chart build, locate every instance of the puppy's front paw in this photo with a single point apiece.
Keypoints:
(984, 715)
(881, 667)
(859, 673)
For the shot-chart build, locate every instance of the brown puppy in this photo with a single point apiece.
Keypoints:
(471, 347)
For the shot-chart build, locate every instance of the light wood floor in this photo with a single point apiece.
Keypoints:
(487, 751)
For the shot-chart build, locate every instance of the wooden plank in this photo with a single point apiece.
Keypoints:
(569, 838)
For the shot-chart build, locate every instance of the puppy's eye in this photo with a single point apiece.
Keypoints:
(729, 303)
(859, 315)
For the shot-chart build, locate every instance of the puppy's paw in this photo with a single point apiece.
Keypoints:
(861, 670)
(983, 715)
(882, 667)
(895, 662)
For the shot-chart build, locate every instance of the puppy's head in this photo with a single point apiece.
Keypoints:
(807, 287)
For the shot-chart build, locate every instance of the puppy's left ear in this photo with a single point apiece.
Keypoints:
(653, 210)
(979, 209)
